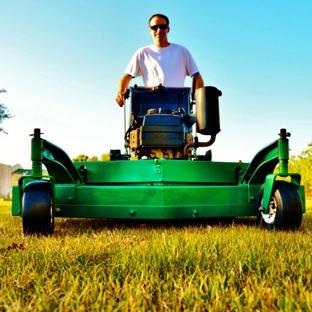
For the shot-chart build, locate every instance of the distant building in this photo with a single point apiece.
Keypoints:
(9, 176)
(5, 181)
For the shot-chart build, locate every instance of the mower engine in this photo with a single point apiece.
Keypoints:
(161, 121)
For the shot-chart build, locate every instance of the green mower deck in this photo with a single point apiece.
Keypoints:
(156, 188)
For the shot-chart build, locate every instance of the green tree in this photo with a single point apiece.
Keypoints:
(303, 165)
(105, 157)
(4, 113)
(93, 158)
(81, 158)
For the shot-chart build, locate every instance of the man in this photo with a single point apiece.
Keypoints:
(162, 63)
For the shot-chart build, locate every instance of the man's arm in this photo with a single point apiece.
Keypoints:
(122, 88)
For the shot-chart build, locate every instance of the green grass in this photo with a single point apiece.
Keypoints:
(97, 265)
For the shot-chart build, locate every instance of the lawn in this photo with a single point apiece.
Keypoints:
(102, 265)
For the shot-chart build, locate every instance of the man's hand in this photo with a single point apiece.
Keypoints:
(120, 99)
(122, 89)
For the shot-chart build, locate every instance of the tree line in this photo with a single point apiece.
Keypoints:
(4, 113)
(83, 157)
(303, 165)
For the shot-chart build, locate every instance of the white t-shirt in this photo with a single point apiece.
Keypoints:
(167, 66)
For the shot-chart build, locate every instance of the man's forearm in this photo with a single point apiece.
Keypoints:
(124, 83)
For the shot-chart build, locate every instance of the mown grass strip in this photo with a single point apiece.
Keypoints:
(101, 265)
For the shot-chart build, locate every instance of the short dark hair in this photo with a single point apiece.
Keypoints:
(158, 15)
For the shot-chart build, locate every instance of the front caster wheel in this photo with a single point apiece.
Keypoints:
(37, 213)
(285, 208)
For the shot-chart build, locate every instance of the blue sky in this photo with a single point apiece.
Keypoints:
(60, 62)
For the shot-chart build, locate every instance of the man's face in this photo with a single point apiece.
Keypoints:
(159, 35)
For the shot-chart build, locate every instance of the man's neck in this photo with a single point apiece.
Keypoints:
(162, 44)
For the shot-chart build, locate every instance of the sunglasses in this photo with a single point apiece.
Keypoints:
(161, 26)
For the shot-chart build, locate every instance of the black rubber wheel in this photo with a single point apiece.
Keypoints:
(38, 214)
(285, 210)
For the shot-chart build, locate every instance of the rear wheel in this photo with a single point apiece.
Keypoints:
(285, 208)
(38, 214)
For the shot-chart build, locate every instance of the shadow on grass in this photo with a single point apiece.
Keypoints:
(94, 225)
